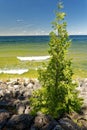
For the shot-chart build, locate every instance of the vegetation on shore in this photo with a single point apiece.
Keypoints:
(58, 94)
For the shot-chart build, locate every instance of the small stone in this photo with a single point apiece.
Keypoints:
(30, 85)
(27, 110)
(20, 108)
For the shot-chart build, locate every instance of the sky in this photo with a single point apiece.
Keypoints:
(34, 17)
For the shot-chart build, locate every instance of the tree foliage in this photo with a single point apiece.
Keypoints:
(58, 94)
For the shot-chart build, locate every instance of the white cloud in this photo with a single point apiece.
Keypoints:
(77, 32)
(19, 20)
(27, 29)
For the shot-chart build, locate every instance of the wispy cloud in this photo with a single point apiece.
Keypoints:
(24, 29)
(29, 25)
(19, 20)
(78, 32)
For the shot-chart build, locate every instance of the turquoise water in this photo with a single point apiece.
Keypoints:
(78, 51)
(13, 46)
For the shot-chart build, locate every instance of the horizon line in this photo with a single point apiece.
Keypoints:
(42, 35)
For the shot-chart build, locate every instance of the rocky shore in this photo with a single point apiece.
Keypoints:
(14, 108)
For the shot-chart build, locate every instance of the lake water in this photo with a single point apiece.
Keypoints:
(12, 47)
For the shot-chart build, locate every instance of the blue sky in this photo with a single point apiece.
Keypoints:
(34, 17)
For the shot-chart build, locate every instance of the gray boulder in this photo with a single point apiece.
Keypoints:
(20, 122)
(68, 124)
(4, 116)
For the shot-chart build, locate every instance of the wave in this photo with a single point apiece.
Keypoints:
(12, 71)
(33, 58)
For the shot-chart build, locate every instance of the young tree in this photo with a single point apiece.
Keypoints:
(58, 94)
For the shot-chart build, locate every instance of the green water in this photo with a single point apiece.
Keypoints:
(11, 47)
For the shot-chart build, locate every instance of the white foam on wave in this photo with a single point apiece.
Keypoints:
(12, 71)
(33, 58)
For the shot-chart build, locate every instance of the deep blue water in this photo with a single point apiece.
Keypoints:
(24, 39)
(37, 39)
(78, 38)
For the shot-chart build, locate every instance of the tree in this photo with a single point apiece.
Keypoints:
(58, 94)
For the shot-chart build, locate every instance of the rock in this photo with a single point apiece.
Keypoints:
(33, 128)
(3, 104)
(20, 122)
(68, 124)
(15, 94)
(21, 97)
(45, 122)
(26, 82)
(53, 125)
(16, 86)
(3, 85)
(4, 116)
(32, 81)
(26, 102)
(16, 83)
(41, 120)
(30, 85)
(58, 127)
(8, 106)
(20, 108)
(14, 97)
(83, 123)
(16, 102)
(27, 110)
(28, 93)
(1, 93)
(84, 110)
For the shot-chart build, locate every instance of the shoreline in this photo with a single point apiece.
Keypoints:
(15, 107)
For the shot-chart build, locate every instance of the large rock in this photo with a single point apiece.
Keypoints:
(68, 124)
(4, 116)
(41, 121)
(20, 122)
(53, 125)
(14, 97)
(45, 122)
